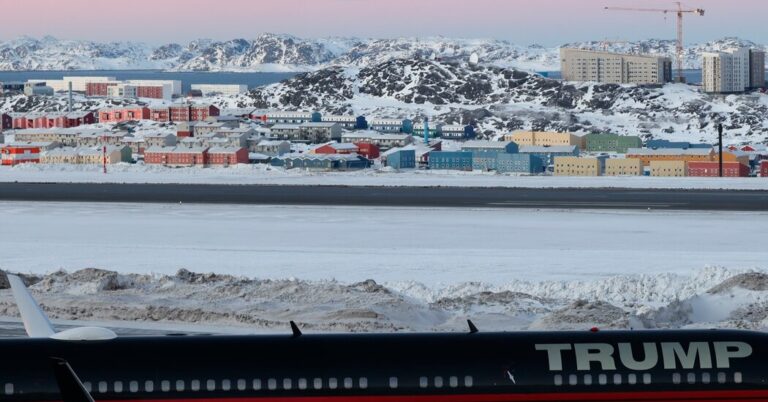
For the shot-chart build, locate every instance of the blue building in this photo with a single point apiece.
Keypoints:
(519, 163)
(664, 144)
(548, 154)
(361, 123)
(484, 152)
(458, 132)
(400, 158)
(450, 160)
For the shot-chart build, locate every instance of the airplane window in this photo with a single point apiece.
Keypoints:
(179, 385)
(149, 385)
(393, 382)
(210, 385)
(632, 379)
(332, 383)
(617, 379)
(272, 384)
(102, 386)
(133, 386)
(165, 385)
(691, 378)
(88, 387)
(287, 383)
(423, 382)
(241, 385)
(256, 384)
(226, 385)
(302, 383)
(737, 377)
(558, 380)
(705, 378)
(587, 379)
(453, 381)
(118, 386)
(363, 383)
(468, 381)
(676, 378)
(9, 389)
(602, 379)
(194, 385)
(572, 379)
(438, 382)
(721, 378)
(317, 383)
(646, 378)
(347, 383)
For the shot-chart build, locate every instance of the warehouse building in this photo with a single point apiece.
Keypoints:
(623, 167)
(321, 162)
(611, 142)
(368, 150)
(518, 163)
(669, 168)
(450, 160)
(616, 68)
(335, 148)
(573, 166)
(548, 154)
(545, 139)
(671, 154)
(485, 153)
(399, 158)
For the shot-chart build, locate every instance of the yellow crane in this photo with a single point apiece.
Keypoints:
(680, 11)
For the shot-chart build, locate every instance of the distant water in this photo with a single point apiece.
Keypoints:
(187, 79)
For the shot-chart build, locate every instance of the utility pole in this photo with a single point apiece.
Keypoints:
(720, 147)
(104, 152)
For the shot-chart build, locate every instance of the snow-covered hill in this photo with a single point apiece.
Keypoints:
(271, 52)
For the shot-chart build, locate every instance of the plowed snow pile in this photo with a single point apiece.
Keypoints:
(713, 297)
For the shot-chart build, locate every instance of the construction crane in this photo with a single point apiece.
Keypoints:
(680, 12)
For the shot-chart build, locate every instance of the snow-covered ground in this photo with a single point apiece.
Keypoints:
(388, 268)
(262, 174)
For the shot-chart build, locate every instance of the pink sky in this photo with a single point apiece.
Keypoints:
(548, 22)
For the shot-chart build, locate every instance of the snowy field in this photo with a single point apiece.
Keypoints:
(262, 174)
(388, 269)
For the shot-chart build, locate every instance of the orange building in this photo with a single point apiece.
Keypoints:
(647, 155)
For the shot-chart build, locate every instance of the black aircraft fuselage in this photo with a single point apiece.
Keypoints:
(706, 365)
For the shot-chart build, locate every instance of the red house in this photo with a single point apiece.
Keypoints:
(336, 148)
(19, 120)
(155, 92)
(160, 114)
(227, 156)
(12, 155)
(75, 119)
(176, 156)
(6, 122)
(116, 115)
(370, 151)
(764, 169)
(202, 112)
(712, 169)
(180, 113)
(98, 88)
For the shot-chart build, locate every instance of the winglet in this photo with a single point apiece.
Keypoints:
(295, 329)
(70, 387)
(35, 321)
(472, 328)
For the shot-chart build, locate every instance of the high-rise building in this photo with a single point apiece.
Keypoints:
(617, 68)
(756, 68)
(726, 72)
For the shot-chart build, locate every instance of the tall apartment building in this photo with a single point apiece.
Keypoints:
(727, 71)
(617, 68)
(756, 68)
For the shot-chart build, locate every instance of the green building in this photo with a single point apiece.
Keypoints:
(612, 143)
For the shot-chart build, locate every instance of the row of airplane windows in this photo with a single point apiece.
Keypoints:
(271, 384)
(632, 379)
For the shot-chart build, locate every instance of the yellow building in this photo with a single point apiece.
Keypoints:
(545, 139)
(623, 167)
(671, 154)
(574, 166)
(669, 168)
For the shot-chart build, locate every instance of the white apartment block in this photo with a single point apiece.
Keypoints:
(78, 83)
(616, 68)
(174, 84)
(726, 72)
(220, 89)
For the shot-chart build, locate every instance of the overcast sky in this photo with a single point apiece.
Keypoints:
(546, 22)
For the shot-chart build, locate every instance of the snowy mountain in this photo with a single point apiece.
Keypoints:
(271, 52)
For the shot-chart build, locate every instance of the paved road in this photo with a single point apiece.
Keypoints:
(392, 196)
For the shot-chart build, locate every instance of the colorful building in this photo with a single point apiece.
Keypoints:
(122, 114)
(227, 156)
(518, 163)
(545, 139)
(16, 154)
(712, 169)
(548, 154)
(176, 156)
(611, 142)
(575, 166)
(647, 155)
(669, 168)
(485, 153)
(623, 167)
(764, 169)
(336, 148)
(398, 158)
(368, 150)
(450, 160)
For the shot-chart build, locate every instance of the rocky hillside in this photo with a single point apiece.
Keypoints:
(270, 52)
(499, 99)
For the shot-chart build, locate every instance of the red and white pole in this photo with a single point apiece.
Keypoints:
(104, 153)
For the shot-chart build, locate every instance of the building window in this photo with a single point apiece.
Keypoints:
(102, 387)
(393, 382)
(469, 381)
(226, 385)
(558, 380)
(8, 388)
(333, 383)
(194, 385)
(287, 383)
(272, 384)
(118, 386)
(241, 385)
(256, 384)
(423, 382)
(149, 386)
(210, 385)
